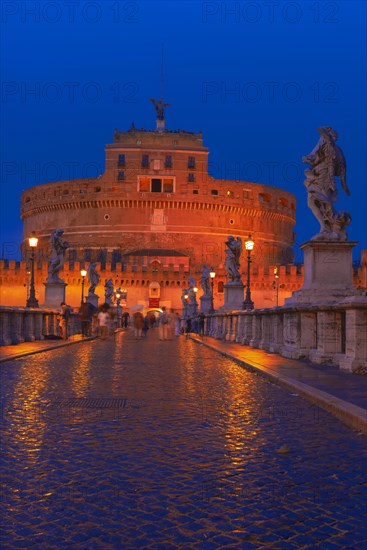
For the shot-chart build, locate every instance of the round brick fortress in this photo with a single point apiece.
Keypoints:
(156, 196)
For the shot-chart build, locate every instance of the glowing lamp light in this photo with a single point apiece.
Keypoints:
(249, 244)
(33, 241)
(83, 272)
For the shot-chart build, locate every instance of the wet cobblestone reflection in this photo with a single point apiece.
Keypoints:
(168, 445)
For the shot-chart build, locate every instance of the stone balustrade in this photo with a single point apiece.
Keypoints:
(28, 324)
(329, 334)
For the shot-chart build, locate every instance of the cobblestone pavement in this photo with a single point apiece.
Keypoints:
(149, 444)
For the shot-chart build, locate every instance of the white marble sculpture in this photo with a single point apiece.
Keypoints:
(205, 280)
(232, 262)
(56, 262)
(93, 278)
(327, 162)
(109, 292)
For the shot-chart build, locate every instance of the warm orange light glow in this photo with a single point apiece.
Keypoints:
(33, 241)
(83, 272)
(195, 289)
(212, 274)
(249, 244)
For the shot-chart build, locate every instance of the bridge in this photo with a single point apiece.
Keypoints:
(186, 443)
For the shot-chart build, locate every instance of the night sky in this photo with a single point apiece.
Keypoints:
(257, 78)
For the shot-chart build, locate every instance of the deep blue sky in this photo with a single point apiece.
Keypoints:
(291, 67)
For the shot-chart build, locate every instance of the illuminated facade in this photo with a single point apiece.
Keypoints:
(156, 208)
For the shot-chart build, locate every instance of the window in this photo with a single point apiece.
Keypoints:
(220, 287)
(145, 161)
(230, 195)
(121, 161)
(156, 185)
(195, 191)
(168, 161)
(214, 192)
(191, 162)
(191, 177)
(264, 197)
(121, 175)
(144, 184)
(168, 185)
(246, 194)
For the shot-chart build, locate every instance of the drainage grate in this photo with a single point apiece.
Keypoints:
(92, 403)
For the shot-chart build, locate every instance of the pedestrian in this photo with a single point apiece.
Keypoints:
(103, 320)
(145, 326)
(118, 316)
(64, 319)
(177, 325)
(201, 324)
(138, 320)
(125, 319)
(188, 326)
(164, 320)
(171, 324)
(85, 315)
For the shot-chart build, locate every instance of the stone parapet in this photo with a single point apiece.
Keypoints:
(19, 325)
(322, 334)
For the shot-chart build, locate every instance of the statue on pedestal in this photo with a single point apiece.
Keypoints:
(56, 263)
(327, 161)
(109, 292)
(93, 278)
(232, 262)
(205, 280)
(159, 107)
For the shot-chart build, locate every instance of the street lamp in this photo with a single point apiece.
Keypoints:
(32, 300)
(276, 285)
(212, 277)
(248, 304)
(186, 298)
(83, 273)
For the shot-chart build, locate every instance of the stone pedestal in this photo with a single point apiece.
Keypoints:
(233, 297)
(205, 304)
(328, 274)
(54, 294)
(92, 299)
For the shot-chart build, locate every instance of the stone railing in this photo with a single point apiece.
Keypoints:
(27, 324)
(331, 334)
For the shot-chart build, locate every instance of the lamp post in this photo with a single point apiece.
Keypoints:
(248, 304)
(83, 273)
(186, 298)
(276, 285)
(195, 289)
(212, 277)
(32, 300)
